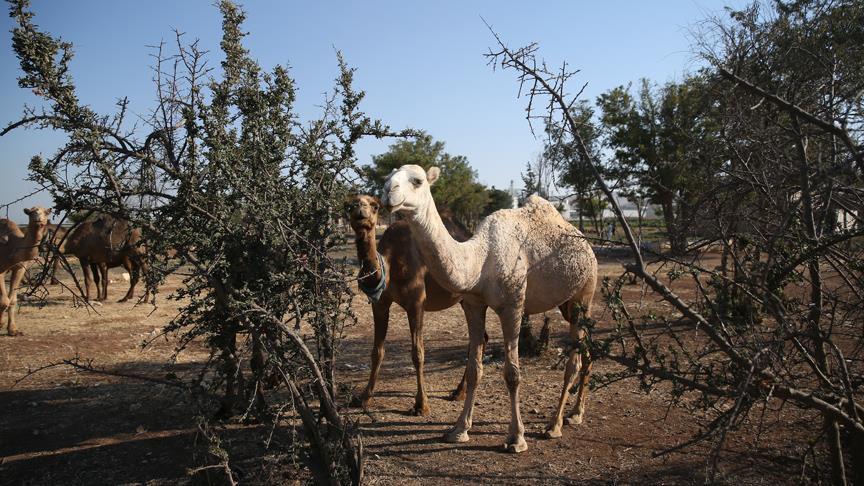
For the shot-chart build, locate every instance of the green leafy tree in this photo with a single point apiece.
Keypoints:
(571, 165)
(498, 199)
(665, 140)
(457, 188)
(530, 183)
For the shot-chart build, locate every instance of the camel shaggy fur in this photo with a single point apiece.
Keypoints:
(17, 252)
(405, 280)
(525, 260)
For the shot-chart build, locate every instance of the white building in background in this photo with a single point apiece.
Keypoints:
(569, 209)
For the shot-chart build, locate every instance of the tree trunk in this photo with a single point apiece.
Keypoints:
(676, 246)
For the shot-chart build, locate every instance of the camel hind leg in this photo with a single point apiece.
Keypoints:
(415, 322)
(578, 362)
(133, 272)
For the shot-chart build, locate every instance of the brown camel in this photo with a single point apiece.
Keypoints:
(17, 252)
(525, 260)
(403, 279)
(103, 243)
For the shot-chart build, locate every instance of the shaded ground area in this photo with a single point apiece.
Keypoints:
(63, 427)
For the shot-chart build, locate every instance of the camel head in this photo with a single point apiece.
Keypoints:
(38, 215)
(362, 211)
(408, 188)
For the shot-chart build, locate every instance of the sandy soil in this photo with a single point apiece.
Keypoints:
(63, 427)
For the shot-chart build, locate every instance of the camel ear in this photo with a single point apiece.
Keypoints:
(28, 211)
(432, 174)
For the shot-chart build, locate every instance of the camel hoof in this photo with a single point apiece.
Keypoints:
(360, 401)
(516, 446)
(15, 333)
(574, 420)
(124, 299)
(552, 433)
(457, 395)
(420, 411)
(456, 436)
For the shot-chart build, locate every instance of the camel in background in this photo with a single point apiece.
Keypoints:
(17, 252)
(103, 243)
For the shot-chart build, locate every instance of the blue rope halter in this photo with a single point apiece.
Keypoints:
(374, 293)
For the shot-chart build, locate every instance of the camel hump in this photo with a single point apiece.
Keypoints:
(534, 199)
(537, 205)
(8, 231)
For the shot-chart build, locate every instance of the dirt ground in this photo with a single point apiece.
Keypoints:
(59, 426)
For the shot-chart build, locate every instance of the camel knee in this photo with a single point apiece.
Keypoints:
(378, 353)
(574, 365)
(417, 356)
(511, 376)
(473, 374)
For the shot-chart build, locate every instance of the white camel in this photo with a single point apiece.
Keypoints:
(525, 260)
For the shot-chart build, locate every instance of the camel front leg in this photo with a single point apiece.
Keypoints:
(459, 392)
(4, 299)
(88, 277)
(14, 282)
(381, 315)
(100, 274)
(510, 321)
(415, 323)
(476, 315)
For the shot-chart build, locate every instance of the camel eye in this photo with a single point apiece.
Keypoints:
(416, 181)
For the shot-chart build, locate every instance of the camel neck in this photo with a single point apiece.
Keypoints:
(367, 254)
(33, 237)
(454, 265)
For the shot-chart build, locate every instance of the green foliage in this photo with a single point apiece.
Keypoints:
(666, 142)
(457, 188)
(530, 184)
(498, 199)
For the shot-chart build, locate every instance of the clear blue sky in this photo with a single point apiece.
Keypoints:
(420, 63)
